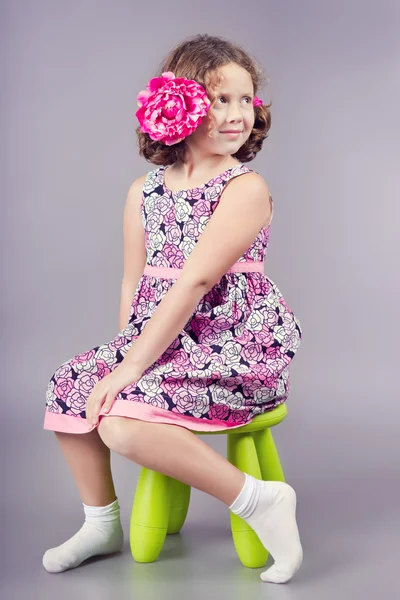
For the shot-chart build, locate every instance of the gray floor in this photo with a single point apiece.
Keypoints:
(349, 527)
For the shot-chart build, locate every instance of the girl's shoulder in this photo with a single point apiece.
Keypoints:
(254, 177)
(258, 185)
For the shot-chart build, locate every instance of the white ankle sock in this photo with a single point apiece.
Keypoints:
(101, 533)
(269, 507)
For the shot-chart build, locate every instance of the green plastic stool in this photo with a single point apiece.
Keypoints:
(161, 503)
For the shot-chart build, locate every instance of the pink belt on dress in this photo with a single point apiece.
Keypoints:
(174, 273)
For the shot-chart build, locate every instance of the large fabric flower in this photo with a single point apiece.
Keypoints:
(171, 108)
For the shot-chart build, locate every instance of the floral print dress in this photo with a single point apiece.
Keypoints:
(231, 360)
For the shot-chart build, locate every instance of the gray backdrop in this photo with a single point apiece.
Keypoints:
(70, 73)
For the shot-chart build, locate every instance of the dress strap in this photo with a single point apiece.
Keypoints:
(272, 210)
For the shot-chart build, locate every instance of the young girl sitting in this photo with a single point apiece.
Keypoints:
(206, 338)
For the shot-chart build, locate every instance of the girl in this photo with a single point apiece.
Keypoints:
(206, 338)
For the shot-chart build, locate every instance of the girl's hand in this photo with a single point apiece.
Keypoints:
(105, 391)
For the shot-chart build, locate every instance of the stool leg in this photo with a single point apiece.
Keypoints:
(242, 454)
(179, 505)
(149, 517)
(268, 457)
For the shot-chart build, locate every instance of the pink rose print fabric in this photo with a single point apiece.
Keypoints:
(230, 362)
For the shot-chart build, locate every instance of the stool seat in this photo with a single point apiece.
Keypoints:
(268, 419)
(161, 503)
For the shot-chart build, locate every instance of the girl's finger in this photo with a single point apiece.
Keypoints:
(97, 408)
(89, 409)
(108, 402)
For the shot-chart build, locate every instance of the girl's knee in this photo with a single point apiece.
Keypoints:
(117, 432)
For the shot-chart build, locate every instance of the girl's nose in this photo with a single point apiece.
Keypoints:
(234, 115)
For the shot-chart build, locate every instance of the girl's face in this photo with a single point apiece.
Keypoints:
(232, 109)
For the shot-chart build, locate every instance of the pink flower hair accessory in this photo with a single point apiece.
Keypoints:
(257, 101)
(171, 108)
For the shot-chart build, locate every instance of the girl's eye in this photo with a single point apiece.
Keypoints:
(247, 97)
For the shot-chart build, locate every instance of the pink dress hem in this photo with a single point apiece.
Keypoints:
(145, 412)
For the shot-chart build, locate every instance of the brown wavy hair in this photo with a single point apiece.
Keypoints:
(199, 58)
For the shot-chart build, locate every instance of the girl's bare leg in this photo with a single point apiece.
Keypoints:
(268, 506)
(173, 451)
(89, 460)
